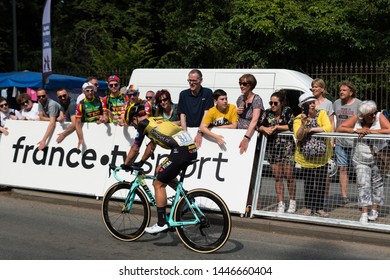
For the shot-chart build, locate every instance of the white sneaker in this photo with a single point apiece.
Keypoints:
(364, 218)
(281, 207)
(373, 215)
(156, 229)
(292, 207)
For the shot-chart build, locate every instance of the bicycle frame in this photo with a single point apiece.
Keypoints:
(140, 182)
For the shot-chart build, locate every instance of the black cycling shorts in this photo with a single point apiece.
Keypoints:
(179, 158)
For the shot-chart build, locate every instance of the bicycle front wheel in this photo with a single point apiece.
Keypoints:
(125, 214)
(215, 226)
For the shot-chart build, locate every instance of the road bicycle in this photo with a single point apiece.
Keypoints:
(200, 217)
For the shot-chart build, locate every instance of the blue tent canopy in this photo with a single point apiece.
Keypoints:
(27, 79)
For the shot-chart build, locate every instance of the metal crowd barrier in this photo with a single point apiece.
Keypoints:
(346, 215)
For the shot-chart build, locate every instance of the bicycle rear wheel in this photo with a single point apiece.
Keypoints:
(214, 229)
(124, 223)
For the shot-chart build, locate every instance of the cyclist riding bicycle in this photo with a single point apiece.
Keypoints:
(169, 136)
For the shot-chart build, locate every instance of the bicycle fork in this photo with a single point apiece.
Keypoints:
(128, 204)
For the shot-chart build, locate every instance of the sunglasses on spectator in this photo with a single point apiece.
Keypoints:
(62, 96)
(273, 103)
(192, 81)
(373, 114)
(113, 85)
(243, 84)
(89, 90)
(41, 96)
(3, 105)
(163, 100)
(149, 97)
(132, 94)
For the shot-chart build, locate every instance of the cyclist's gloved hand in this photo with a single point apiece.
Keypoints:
(125, 167)
(138, 163)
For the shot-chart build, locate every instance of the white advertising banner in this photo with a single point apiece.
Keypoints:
(64, 168)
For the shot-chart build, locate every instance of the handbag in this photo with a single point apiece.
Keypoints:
(312, 147)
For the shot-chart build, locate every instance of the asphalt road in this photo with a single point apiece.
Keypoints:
(33, 229)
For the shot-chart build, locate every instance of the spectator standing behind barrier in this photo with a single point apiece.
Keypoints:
(222, 115)
(194, 103)
(150, 97)
(49, 110)
(312, 153)
(29, 109)
(322, 103)
(344, 108)
(249, 108)
(93, 80)
(364, 159)
(114, 102)
(280, 149)
(132, 97)
(90, 109)
(166, 108)
(68, 107)
(7, 113)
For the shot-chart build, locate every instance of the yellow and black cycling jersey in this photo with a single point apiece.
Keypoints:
(162, 132)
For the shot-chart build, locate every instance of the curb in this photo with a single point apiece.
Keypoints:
(264, 224)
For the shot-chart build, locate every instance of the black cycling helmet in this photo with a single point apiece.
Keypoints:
(137, 109)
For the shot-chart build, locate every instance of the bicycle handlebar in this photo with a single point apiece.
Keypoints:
(126, 168)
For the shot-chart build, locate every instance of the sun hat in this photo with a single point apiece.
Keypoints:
(306, 97)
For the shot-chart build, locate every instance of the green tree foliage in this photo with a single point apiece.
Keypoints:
(195, 33)
(91, 34)
(105, 35)
(298, 32)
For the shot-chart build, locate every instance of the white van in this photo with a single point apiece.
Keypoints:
(268, 81)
